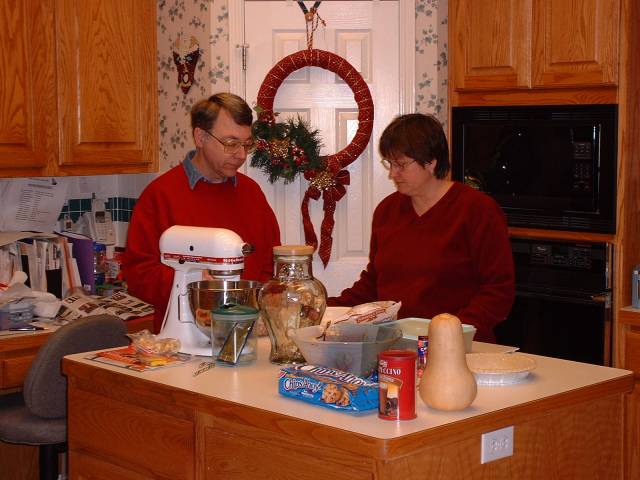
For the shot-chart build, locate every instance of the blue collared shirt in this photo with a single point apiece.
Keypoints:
(193, 175)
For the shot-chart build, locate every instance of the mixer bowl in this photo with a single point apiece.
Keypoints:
(208, 295)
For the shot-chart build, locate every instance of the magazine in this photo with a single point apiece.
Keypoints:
(129, 358)
(120, 304)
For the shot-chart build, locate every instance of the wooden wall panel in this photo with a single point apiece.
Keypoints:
(107, 79)
(491, 42)
(28, 111)
(132, 437)
(101, 470)
(552, 451)
(575, 43)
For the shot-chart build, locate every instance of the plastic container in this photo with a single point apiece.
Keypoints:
(232, 338)
(292, 299)
(16, 313)
(350, 347)
(412, 327)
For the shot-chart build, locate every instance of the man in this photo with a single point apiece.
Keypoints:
(206, 190)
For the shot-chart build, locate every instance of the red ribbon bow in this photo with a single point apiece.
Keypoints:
(332, 189)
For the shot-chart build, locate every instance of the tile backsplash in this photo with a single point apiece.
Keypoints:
(120, 208)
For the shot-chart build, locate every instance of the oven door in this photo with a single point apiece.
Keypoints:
(569, 325)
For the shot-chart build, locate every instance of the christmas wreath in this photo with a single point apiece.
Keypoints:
(285, 149)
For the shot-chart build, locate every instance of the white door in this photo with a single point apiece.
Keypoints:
(367, 34)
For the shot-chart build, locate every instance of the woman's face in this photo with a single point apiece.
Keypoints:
(409, 177)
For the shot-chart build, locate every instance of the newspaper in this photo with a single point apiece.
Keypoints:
(120, 304)
(129, 358)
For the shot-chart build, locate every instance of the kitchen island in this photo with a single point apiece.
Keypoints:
(231, 423)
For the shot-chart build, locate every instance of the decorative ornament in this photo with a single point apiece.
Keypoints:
(328, 177)
(186, 61)
(284, 150)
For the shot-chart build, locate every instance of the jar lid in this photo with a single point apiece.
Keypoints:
(233, 311)
(293, 250)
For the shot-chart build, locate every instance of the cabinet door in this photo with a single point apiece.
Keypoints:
(491, 44)
(107, 82)
(575, 42)
(28, 112)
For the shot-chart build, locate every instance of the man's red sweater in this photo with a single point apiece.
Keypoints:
(169, 201)
(455, 258)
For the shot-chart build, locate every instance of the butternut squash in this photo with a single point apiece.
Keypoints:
(447, 383)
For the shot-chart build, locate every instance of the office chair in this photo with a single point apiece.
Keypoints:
(40, 416)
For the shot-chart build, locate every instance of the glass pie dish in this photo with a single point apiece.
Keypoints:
(500, 368)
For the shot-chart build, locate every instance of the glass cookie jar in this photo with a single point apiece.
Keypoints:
(292, 299)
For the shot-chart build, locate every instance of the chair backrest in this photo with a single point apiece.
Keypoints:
(45, 388)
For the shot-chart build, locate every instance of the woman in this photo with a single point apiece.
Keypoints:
(436, 245)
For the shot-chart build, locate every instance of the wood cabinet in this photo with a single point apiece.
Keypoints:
(171, 425)
(78, 87)
(491, 44)
(575, 43)
(630, 326)
(522, 44)
(16, 354)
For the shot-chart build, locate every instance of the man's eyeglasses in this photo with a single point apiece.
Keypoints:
(388, 164)
(232, 146)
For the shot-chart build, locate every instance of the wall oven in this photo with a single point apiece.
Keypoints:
(563, 300)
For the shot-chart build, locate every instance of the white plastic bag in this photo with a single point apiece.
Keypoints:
(373, 312)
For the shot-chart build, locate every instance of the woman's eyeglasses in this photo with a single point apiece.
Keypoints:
(232, 146)
(388, 164)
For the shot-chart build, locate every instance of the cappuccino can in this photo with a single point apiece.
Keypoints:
(397, 384)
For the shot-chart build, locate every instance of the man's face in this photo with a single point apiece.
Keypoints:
(212, 160)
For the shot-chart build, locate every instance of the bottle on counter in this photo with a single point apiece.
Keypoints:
(292, 299)
(99, 265)
(423, 345)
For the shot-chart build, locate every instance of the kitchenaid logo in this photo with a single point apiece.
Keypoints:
(199, 259)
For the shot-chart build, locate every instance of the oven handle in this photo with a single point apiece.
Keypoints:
(603, 298)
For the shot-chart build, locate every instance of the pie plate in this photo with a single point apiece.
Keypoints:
(500, 368)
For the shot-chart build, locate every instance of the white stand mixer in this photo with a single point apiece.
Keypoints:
(189, 251)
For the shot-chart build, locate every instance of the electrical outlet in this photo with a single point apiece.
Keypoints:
(496, 444)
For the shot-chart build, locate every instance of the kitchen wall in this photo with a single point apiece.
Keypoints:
(207, 21)
(184, 25)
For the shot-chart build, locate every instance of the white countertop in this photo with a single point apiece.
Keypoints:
(256, 386)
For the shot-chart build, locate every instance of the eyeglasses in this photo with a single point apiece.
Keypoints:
(388, 164)
(232, 146)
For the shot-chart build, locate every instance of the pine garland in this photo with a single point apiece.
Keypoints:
(285, 149)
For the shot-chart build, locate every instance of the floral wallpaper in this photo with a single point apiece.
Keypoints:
(431, 57)
(185, 26)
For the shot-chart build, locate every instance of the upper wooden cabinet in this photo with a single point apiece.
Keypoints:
(78, 92)
(28, 111)
(523, 44)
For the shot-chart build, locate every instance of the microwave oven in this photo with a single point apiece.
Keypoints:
(547, 166)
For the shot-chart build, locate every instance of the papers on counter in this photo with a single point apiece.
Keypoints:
(47, 259)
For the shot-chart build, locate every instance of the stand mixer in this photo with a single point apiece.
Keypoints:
(190, 251)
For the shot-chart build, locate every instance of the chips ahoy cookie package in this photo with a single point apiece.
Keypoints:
(328, 387)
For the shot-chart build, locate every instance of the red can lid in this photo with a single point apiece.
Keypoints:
(398, 354)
